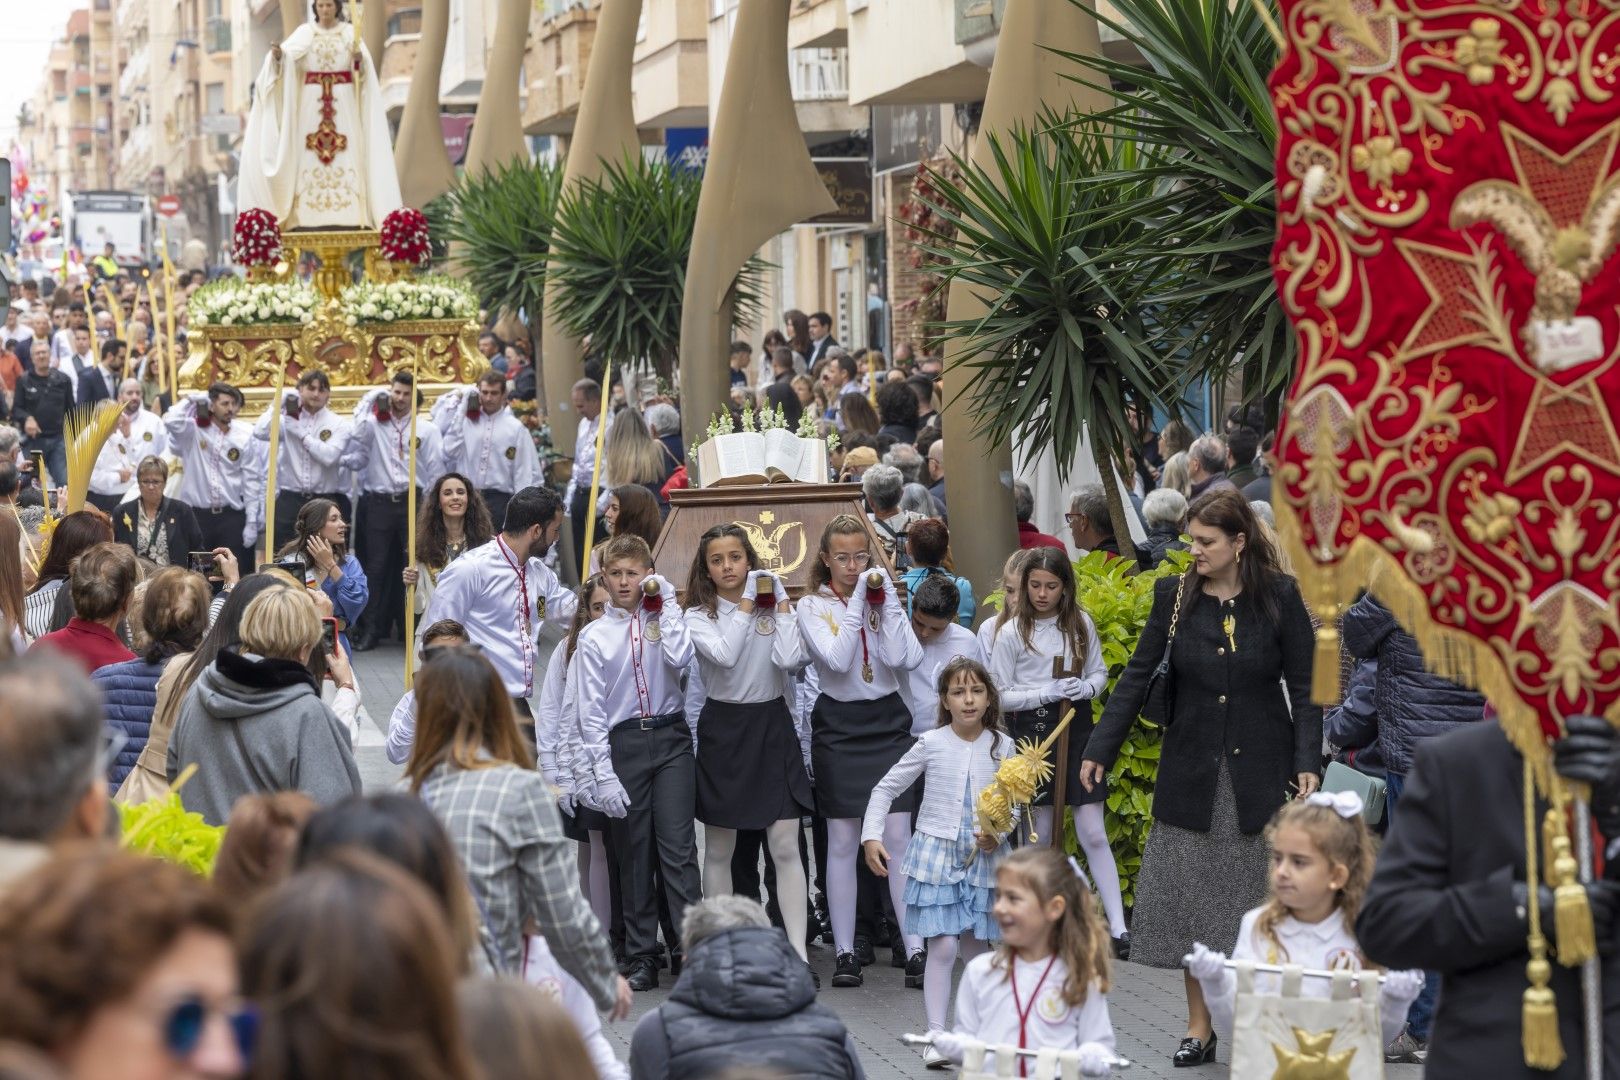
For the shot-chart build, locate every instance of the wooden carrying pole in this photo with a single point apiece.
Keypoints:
(596, 472)
(410, 536)
(275, 454)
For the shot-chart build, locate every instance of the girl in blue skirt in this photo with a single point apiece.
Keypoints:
(950, 864)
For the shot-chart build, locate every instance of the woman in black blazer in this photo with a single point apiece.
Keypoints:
(1233, 750)
(159, 529)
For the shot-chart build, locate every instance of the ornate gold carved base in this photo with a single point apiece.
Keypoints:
(333, 248)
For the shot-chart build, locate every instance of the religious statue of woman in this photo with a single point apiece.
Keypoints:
(316, 151)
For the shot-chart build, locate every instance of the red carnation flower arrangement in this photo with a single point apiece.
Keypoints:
(256, 239)
(404, 237)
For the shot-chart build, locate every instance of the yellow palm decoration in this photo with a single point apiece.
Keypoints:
(1016, 781)
(85, 430)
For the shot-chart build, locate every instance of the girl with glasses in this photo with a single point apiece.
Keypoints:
(860, 643)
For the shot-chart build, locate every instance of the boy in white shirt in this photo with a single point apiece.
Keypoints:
(933, 619)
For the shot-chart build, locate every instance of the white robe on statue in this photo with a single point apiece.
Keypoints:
(316, 150)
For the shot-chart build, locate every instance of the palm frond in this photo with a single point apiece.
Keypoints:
(500, 222)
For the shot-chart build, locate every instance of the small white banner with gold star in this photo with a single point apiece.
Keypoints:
(1285, 1036)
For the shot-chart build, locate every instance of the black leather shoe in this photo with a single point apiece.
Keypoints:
(1122, 946)
(1194, 1052)
(897, 951)
(363, 642)
(864, 951)
(676, 957)
(643, 973)
(915, 965)
(847, 972)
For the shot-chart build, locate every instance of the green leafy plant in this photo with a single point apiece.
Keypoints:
(621, 244)
(1119, 600)
(499, 226)
(166, 830)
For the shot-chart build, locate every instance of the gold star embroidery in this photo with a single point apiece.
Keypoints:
(1312, 1061)
(1445, 323)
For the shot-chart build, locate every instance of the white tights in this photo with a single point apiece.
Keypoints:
(843, 848)
(1093, 836)
(942, 954)
(792, 891)
(593, 878)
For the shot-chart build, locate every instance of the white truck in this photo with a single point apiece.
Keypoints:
(122, 217)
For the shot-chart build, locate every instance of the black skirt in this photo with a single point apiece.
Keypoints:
(750, 772)
(1037, 724)
(584, 822)
(852, 744)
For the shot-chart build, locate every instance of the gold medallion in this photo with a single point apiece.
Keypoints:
(765, 625)
(874, 619)
(866, 672)
(654, 632)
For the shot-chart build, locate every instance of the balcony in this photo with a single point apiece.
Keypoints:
(135, 156)
(135, 72)
(398, 61)
(559, 50)
(902, 52)
(216, 37)
(818, 24)
(669, 79)
(819, 74)
(131, 15)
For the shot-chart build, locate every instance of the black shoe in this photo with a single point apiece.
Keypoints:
(663, 958)
(864, 952)
(897, 952)
(363, 643)
(814, 978)
(1194, 1052)
(675, 959)
(643, 973)
(1122, 946)
(915, 965)
(847, 972)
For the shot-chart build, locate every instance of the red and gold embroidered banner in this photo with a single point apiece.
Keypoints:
(1448, 208)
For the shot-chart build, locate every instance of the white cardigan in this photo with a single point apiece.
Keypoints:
(952, 766)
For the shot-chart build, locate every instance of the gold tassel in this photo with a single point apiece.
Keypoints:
(1325, 666)
(1543, 1048)
(1549, 834)
(1577, 940)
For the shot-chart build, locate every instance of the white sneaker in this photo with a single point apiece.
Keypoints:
(933, 1059)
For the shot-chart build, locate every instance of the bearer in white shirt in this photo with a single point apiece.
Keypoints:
(634, 736)
(484, 442)
(139, 434)
(223, 469)
(311, 448)
(933, 619)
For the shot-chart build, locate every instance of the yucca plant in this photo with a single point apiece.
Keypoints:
(1060, 349)
(620, 245)
(499, 226)
(1199, 257)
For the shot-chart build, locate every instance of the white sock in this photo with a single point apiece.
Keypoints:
(1093, 835)
(937, 980)
(896, 837)
(843, 848)
(792, 891)
(718, 847)
(601, 889)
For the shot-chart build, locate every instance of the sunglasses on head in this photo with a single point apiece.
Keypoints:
(183, 1027)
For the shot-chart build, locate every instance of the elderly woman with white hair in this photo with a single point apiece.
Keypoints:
(744, 1004)
(1165, 512)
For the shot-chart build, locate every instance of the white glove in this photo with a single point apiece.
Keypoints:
(1095, 1059)
(250, 535)
(951, 1044)
(751, 586)
(665, 590)
(565, 802)
(1072, 689)
(611, 794)
(1205, 964)
(585, 795)
(200, 400)
(780, 591)
(1402, 986)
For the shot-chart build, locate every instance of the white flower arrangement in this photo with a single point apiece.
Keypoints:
(408, 301)
(234, 302)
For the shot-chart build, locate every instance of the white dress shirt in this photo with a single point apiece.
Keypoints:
(310, 451)
(378, 452)
(1024, 674)
(481, 590)
(1325, 946)
(70, 365)
(622, 675)
(834, 631)
(953, 768)
(738, 664)
(987, 1008)
(61, 347)
(401, 729)
(584, 456)
(986, 633)
(220, 468)
(921, 688)
(548, 716)
(124, 450)
(494, 452)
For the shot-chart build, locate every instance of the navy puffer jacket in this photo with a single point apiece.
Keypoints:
(1413, 703)
(130, 691)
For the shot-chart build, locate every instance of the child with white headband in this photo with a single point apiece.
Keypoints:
(1321, 862)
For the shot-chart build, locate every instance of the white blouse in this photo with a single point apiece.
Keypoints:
(1024, 674)
(986, 1009)
(548, 715)
(1325, 946)
(738, 664)
(921, 688)
(834, 634)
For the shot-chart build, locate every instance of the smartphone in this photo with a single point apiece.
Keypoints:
(202, 562)
(329, 635)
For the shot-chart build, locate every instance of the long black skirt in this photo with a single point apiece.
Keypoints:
(750, 772)
(1037, 724)
(852, 744)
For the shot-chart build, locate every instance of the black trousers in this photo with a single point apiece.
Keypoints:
(660, 778)
(288, 503)
(379, 534)
(223, 528)
(496, 501)
(578, 507)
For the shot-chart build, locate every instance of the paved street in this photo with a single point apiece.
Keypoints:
(1145, 1003)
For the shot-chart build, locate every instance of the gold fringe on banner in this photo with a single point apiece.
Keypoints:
(1543, 1049)
(1572, 914)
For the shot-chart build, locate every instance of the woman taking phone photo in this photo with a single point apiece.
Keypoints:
(319, 541)
(1238, 637)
